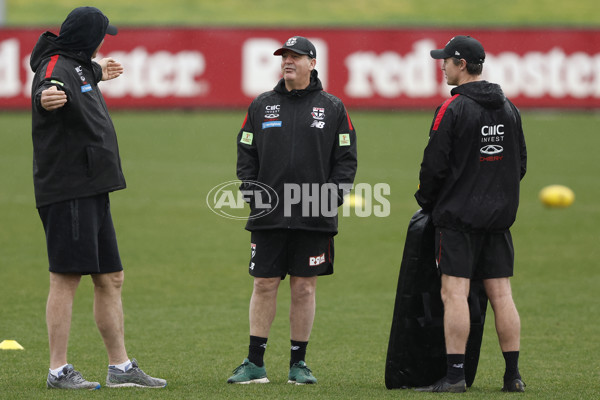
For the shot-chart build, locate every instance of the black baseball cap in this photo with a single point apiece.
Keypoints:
(300, 45)
(461, 47)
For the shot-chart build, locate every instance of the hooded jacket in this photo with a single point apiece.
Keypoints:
(75, 150)
(474, 161)
(302, 145)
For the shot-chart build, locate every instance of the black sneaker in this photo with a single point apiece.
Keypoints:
(516, 385)
(444, 386)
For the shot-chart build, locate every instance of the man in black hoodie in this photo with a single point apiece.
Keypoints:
(469, 181)
(76, 164)
(295, 138)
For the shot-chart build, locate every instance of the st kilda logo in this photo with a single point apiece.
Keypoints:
(318, 113)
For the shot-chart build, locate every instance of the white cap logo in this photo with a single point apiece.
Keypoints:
(291, 41)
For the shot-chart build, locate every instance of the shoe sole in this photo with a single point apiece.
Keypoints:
(449, 390)
(456, 388)
(259, 380)
(120, 385)
(59, 388)
(300, 383)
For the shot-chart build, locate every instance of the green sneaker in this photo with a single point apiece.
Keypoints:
(300, 374)
(249, 373)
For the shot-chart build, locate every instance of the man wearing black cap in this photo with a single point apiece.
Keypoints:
(469, 181)
(299, 137)
(76, 164)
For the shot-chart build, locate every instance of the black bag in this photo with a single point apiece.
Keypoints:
(416, 351)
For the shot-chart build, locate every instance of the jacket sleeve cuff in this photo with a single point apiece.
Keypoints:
(425, 204)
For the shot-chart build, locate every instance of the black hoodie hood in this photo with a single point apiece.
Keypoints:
(315, 84)
(47, 46)
(80, 35)
(489, 95)
(83, 30)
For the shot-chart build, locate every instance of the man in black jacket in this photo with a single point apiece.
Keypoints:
(298, 144)
(469, 181)
(76, 164)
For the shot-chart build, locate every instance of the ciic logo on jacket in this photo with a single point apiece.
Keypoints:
(491, 134)
(272, 112)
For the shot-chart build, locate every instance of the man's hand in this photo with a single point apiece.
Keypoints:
(52, 98)
(111, 69)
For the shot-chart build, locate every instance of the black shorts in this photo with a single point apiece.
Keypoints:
(474, 255)
(281, 252)
(80, 236)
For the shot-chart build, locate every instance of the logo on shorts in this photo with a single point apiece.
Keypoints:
(253, 247)
(318, 260)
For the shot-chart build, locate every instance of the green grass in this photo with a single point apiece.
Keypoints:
(187, 290)
(368, 13)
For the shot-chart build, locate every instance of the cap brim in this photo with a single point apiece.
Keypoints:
(439, 54)
(280, 51)
(111, 30)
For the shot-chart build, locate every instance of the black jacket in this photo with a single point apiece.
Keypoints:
(305, 138)
(75, 151)
(474, 161)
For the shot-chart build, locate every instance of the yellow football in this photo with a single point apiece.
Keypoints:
(557, 196)
(354, 200)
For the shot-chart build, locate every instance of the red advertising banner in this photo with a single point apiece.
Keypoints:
(366, 68)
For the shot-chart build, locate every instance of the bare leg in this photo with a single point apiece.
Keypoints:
(108, 312)
(59, 309)
(457, 323)
(263, 306)
(508, 323)
(302, 307)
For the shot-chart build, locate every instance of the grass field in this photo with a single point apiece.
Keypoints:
(316, 12)
(186, 291)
